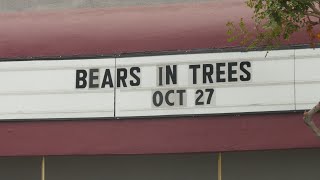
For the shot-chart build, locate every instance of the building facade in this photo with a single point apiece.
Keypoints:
(150, 90)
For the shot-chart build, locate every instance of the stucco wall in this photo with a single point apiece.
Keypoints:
(31, 5)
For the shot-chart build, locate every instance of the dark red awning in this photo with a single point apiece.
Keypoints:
(169, 135)
(105, 31)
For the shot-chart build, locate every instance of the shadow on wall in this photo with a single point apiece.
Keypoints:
(259, 165)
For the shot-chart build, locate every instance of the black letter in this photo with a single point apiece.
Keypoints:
(246, 71)
(167, 98)
(135, 76)
(231, 71)
(207, 74)
(171, 74)
(107, 79)
(198, 102)
(81, 76)
(92, 77)
(210, 95)
(121, 77)
(194, 72)
(160, 76)
(180, 92)
(219, 72)
(154, 98)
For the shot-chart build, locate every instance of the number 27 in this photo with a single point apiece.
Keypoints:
(200, 93)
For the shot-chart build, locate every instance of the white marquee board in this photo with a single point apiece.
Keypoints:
(46, 89)
(270, 87)
(187, 84)
(307, 78)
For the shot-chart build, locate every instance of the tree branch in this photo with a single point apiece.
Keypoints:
(307, 117)
(315, 10)
(313, 23)
(312, 14)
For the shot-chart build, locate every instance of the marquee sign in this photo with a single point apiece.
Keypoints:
(208, 84)
(188, 84)
(46, 89)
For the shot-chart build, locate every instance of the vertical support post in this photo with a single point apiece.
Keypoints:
(219, 166)
(43, 168)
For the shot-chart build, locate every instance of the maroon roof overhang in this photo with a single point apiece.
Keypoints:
(94, 32)
(167, 135)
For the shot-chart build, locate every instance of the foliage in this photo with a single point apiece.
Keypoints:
(275, 21)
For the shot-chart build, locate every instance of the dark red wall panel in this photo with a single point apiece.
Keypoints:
(92, 32)
(164, 135)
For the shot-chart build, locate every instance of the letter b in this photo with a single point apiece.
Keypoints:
(81, 76)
